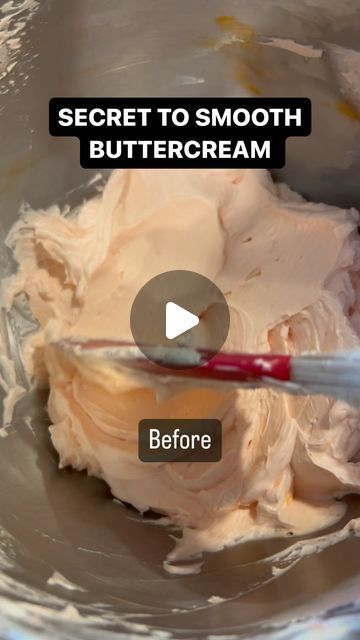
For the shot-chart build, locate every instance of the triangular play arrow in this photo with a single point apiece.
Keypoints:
(178, 320)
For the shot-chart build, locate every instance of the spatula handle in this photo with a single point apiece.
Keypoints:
(242, 367)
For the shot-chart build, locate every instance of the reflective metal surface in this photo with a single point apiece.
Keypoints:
(61, 522)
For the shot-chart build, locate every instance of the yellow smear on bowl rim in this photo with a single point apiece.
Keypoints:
(348, 109)
(230, 24)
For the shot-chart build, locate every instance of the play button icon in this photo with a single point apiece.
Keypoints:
(179, 309)
(178, 320)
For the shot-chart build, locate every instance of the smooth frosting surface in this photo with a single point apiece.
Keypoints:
(289, 271)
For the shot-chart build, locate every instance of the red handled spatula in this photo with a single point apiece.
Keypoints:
(335, 374)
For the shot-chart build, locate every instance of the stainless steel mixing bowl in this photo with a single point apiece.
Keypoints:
(74, 562)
